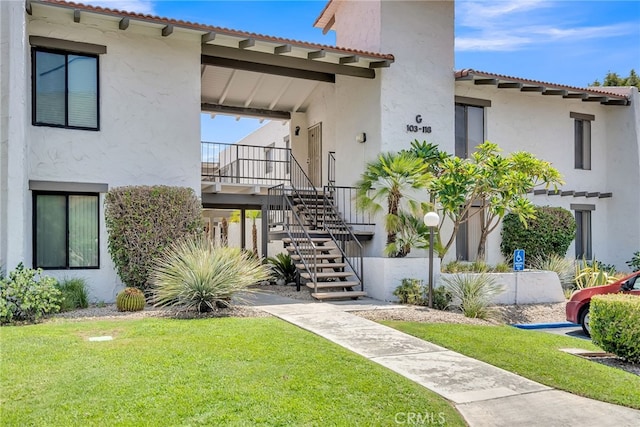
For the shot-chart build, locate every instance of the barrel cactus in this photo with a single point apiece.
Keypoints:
(130, 299)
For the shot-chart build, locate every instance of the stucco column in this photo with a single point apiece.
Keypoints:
(14, 194)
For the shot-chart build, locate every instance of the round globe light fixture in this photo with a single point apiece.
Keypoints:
(431, 219)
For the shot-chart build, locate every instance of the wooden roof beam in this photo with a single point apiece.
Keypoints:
(485, 82)
(279, 50)
(532, 88)
(124, 23)
(207, 37)
(560, 92)
(318, 54)
(247, 43)
(167, 30)
(510, 85)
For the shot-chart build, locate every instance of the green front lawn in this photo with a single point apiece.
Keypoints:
(534, 355)
(229, 371)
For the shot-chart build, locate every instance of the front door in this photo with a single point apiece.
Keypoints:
(315, 155)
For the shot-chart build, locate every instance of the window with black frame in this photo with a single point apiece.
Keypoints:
(582, 140)
(66, 230)
(65, 89)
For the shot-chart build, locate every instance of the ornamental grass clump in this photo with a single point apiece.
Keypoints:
(74, 294)
(473, 293)
(194, 275)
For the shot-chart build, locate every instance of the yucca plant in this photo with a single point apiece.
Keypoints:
(130, 299)
(283, 267)
(563, 267)
(195, 275)
(473, 293)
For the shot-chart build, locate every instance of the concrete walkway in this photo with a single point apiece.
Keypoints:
(483, 394)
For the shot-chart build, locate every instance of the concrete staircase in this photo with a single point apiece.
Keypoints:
(323, 269)
(321, 245)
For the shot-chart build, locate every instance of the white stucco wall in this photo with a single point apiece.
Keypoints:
(542, 125)
(14, 108)
(272, 132)
(149, 121)
(419, 83)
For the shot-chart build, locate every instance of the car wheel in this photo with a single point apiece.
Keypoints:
(584, 321)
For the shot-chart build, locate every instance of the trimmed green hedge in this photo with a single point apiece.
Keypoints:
(615, 325)
(551, 232)
(142, 221)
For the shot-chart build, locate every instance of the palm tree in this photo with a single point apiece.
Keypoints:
(389, 178)
(235, 217)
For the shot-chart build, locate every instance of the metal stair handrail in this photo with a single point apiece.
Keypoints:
(277, 197)
(299, 180)
(351, 253)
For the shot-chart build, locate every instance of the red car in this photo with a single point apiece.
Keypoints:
(577, 307)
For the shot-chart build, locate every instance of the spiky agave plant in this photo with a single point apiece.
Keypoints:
(473, 293)
(193, 274)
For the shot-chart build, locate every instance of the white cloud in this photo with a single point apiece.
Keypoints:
(476, 13)
(138, 6)
(515, 25)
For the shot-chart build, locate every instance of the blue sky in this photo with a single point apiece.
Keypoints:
(567, 42)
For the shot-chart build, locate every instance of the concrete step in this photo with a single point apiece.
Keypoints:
(327, 285)
(324, 265)
(318, 257)
(338, 295)
(320, 249)
(328, 275)
(304, 239)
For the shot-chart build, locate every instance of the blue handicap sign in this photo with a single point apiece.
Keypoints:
(518, 260)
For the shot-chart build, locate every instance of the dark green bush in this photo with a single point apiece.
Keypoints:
(551, 232)
(634, 262)
(283, 267)
(74, 294)
(412, 291)
(142, 221)
(27, 295)
(615, 325)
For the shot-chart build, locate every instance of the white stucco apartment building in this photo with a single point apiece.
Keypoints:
(93, 98)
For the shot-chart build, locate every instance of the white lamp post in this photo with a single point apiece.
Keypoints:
(431, 220)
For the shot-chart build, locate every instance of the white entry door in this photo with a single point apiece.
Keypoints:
(315, 155)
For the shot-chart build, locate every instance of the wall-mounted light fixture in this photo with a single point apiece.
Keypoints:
(297, 132)
(361, 137)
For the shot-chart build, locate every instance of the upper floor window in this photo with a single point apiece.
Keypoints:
(469, 124)
(65, 230)
(582, 138)
(65, 89)
(469, 133)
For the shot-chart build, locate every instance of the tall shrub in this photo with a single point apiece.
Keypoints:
(550, 232)
(142, 221)
(614, 321)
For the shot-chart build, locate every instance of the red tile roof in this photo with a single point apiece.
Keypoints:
(214, 29)
(616, 93)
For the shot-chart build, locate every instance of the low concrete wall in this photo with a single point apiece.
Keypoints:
(526, 287)
(383, 275)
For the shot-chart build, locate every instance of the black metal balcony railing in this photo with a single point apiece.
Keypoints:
(245, 164)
